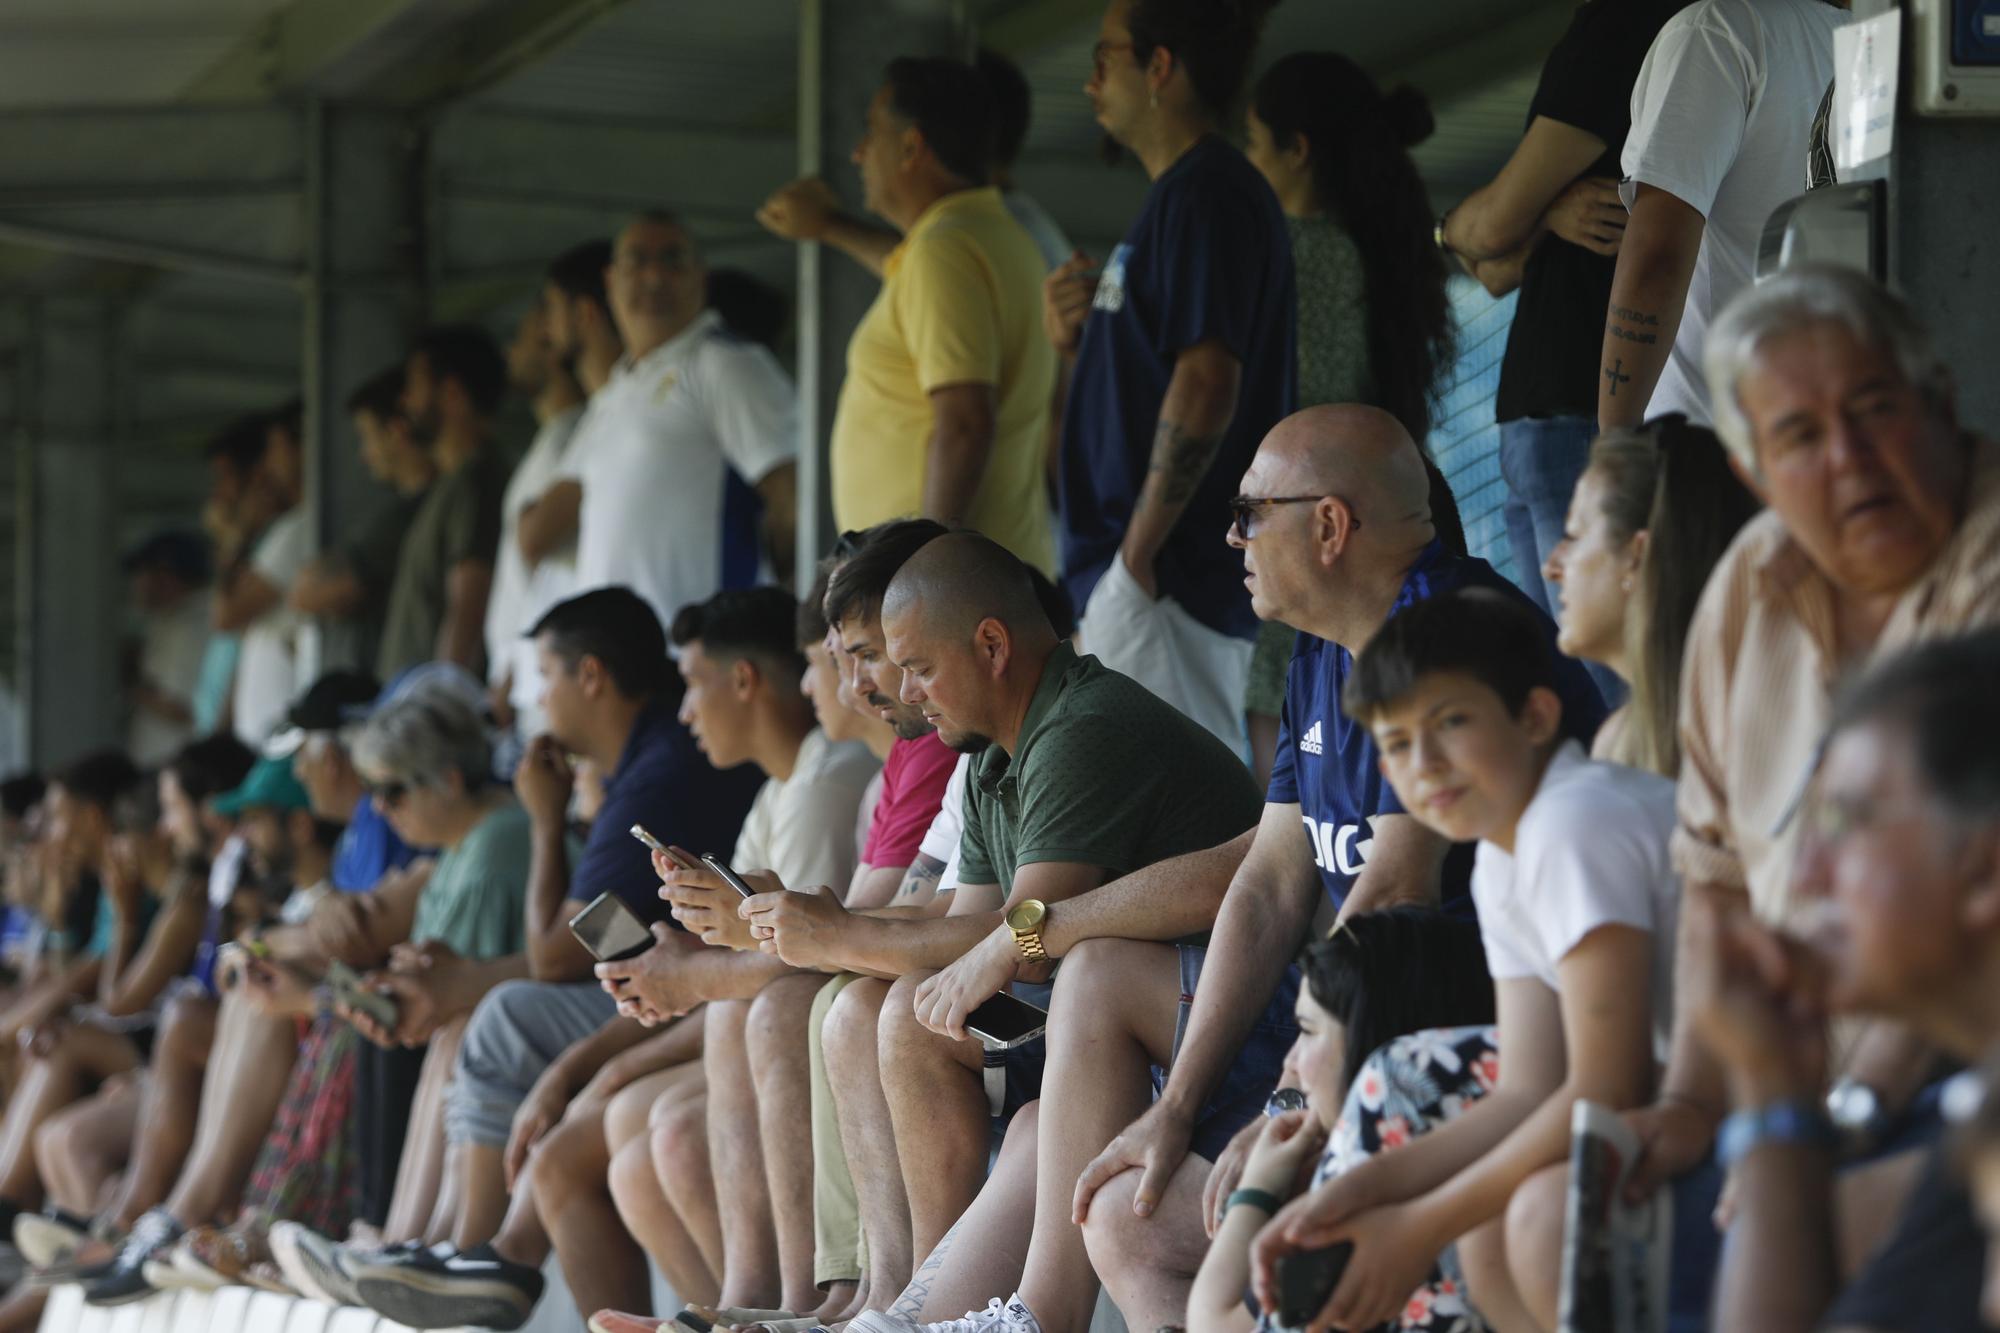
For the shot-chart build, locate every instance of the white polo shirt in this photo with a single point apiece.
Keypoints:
(521, 595)
(267, 667)
(667, 457)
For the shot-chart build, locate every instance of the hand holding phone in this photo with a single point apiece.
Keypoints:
(728, 876)
(1006, 1021)
(1306, 1281)
(609, 930)
(350, 990)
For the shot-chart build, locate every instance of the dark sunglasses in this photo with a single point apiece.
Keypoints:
(1245, 507)
(388, 794)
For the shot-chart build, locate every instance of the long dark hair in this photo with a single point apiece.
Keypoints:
(1401, 970)
(1212, 39)
(1365, 180)
(1672, 481)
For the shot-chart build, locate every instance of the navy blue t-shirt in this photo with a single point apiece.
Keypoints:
(666, 783)
(1207, 259)
(1328, 765)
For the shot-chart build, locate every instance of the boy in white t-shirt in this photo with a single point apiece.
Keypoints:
(1577, 907)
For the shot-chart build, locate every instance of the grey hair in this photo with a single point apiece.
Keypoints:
(424, 738)
(1812, 294)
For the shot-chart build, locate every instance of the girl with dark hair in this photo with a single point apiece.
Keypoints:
(1374, 323)
(1379, 977)
(1652, 513)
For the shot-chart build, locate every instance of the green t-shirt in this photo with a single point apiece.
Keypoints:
(1105, 773)
(459, 519)
(477, 897)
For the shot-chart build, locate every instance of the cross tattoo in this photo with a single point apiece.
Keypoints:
(1611, 373)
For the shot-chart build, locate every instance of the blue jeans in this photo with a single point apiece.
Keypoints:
(1541, 458)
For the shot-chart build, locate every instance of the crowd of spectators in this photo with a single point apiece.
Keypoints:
(1161, 859)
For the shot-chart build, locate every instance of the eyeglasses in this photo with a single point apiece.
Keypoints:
(388, 794)
(1245, 507)
(1103, 49)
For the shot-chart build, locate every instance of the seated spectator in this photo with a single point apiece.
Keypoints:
(168, 578)
(1883, 529)
(453, 382)
(350, 584)
(1897, 860)
(20, 805)
(536, 1044)
(1380, 976)
(1654, 510)
(1577, 907)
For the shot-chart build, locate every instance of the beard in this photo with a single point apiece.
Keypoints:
(967, 742)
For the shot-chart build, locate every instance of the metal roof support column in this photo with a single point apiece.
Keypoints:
(843, 46)
(363, 298)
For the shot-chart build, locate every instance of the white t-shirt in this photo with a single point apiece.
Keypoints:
(266, 670)
(512, 606)
(1721, 115)
(667, 458)
(803, 827)
(1590, 851)
(170, 658)
(941, 841)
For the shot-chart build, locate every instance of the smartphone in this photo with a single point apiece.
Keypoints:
(349, 989)
(729, 877)
(1006, 1021)
(674, 854)
(609, 931)
(1306, 1282)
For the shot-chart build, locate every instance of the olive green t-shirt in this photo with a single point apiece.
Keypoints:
(458, 520)
(1104, 773)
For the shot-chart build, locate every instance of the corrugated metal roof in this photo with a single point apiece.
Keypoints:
(102, 52)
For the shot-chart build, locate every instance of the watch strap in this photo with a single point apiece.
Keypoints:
(1803, 1123)
(1262, 1200)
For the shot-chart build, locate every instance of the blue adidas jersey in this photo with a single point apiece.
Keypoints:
(1327, 764)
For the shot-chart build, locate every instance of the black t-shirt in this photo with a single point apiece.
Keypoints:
(1550, 368)
(1925, 1278)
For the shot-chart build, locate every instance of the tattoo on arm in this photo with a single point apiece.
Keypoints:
(1180, 460)
(921, 879)
(1633, 326)
(911, 1303)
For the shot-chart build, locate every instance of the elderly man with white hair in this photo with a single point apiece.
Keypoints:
(1882, 530)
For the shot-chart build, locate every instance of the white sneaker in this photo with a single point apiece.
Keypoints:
(1009, 1316)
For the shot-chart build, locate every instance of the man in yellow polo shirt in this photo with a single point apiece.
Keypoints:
(944, 411)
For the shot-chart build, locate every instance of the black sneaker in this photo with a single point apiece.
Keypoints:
(446, 1288)
(152, 1234)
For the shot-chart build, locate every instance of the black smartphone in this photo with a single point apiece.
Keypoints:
(609, 931)
(1306, 1282)
(729, 877)
(1006, 1021)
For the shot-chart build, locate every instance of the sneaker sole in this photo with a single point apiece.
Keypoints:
(143, 1292)
(174, 1275)
(421, 1300)
(46, 1243)
(304, 1269)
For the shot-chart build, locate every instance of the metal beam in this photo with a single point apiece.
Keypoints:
(292, 45)
(123, 194)
(123, 250)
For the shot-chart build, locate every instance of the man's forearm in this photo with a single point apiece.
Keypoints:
(1648, 295)
(1164, 901)
(462, 633)
(861, 241)
(548, 890)
(1893, 1061)
(1784, 1225)
(893, 947)
(1257, 933)
(1194, 417)
(954, 465)
(728, 974)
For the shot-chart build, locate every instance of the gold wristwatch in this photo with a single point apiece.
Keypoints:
(1025, 920)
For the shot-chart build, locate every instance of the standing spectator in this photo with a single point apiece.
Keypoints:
(168, 576)
(1374, 323)
(693, 430)
(1184, 359)
(250, 596)
(452, 385)
(351, 583)
(232, 456)
(1549, 225)
(944, 407)
(520, 592)
(1721, 114)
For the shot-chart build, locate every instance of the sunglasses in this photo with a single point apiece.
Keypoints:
(389, 794)
(1244, 508)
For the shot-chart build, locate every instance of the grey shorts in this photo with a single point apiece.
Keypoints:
(515, 1034)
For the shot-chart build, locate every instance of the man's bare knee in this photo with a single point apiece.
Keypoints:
(903, 1042)
(852, 1020)
(1111, 1230)
(679, 1141)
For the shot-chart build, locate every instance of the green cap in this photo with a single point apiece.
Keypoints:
(270, 785)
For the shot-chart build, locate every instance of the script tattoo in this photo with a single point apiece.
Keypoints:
(1180, 460)
(911, 1302)
(1629, 325)
(921, 879)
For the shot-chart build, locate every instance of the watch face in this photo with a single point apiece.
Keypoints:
(1027, 916)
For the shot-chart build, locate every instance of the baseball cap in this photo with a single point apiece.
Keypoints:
(322, 708)
(270, 784)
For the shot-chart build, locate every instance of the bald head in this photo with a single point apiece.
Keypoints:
(1360, 453)
(956, 581)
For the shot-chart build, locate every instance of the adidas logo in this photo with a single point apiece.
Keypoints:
(1313, 742)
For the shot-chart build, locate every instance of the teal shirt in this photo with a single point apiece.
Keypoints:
(477, 898)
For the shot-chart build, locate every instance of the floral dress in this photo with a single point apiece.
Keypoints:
(1404, 1090)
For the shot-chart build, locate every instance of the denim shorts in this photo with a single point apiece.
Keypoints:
(1247, 1084)
(1023, 1064)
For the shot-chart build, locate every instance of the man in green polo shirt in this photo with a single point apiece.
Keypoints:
(1083, 777)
